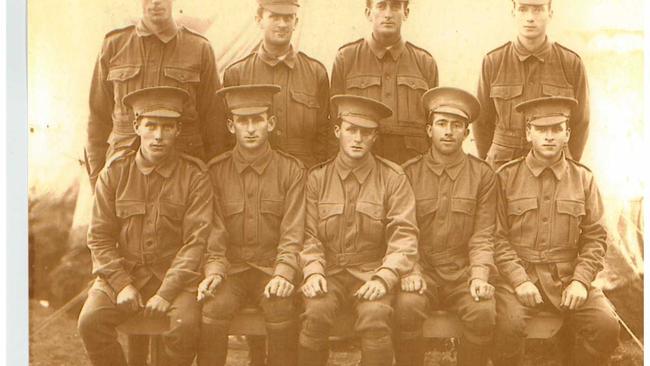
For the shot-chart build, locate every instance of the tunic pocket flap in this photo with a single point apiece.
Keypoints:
(182, 75)
(129, 208)
(231, 208)
(506, 91)
(413, 82)
(305, 99)
(272, 206)
(573, 208)
(426, 206)
(373, 210)
(174, 211)
(363, 82)
(122, 73)
(326, 210)
(464, 205)
(557, 91)
(521, 205)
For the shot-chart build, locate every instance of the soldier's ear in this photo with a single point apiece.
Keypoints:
(271, 123)
(230, 125)
(179, 127)
(136, 124)
(337, 130)
(529, 138)
(429, 128)
(407, 11)
(367, 13)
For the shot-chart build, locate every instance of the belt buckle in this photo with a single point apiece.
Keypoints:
(148, 258)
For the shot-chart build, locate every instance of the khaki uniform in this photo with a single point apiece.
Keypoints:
(133, 58)
(455, 205)
(301, 107)
(360, 224)
(397, 77)
(551, 231)
(263, 207)
(510, 75)
(149, 229)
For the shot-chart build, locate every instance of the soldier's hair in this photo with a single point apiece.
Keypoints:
(514, 3)
(369, 3)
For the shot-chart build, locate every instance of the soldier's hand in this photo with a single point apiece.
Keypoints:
(129, 299)
(528, 294)
(278, 286)
(574, 295)
(314, 285)
(480, 289)
(207, 287)
(156, 306)
(371, 290)
(414, 283)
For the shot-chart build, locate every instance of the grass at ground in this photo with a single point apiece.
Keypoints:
(59, 345)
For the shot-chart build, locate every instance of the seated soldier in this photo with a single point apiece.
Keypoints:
(147, 235)
(455, 195)
(261, 195)
(551, 242)
(360, 237)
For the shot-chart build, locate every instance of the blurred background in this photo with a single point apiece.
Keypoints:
(64, 38)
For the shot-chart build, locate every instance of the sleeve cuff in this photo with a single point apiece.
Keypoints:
(286, 271)
(583, 278)
(215, 268)
(479, 272)
(517, 277)
(312, 269)
(119, 281)
(388, 276)
(167, 292)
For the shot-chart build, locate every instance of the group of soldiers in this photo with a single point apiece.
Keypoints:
(307, 197)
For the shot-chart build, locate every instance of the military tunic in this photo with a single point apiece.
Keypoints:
(133, 58)
(301, 107)
(510, 75)
(550, 231)
(396, 76)
(360, 225)
(148, 229)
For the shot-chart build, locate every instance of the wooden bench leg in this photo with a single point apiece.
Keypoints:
(137, 350)
(157, 349)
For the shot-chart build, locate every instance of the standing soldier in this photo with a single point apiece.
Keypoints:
(150, 223)
(551, 241)
(455, 195)
(529, 67)
(302, 106)
(153, 52)
(360, 237)
(261, 194)
(386, 68)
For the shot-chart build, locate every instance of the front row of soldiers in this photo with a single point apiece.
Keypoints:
(172, 236)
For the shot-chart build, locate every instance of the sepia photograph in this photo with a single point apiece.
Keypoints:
(343, 182)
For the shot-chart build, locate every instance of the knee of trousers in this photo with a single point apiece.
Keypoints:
(220, 308)
(373, 318)
(92, 325)
(409, 314)
(279, 310)
(184, 326)
(479, 322)
(317, 320)
(600, 333)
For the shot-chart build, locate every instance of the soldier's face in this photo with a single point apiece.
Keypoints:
(447, 133)
(157, 11)
(157, 136)
(532, 19)
(548, 141)
(251, 131)
(354, 141)
(277, 28)
(387, 16)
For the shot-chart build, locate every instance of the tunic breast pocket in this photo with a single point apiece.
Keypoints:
(124, 80)
(131, 215)
(272, 210)
(505, 97)
(364, 85)
(522, 218)
(557, 90)
(567, 222)
(183, 77)
(303, 115)
(233, 212)
(329, 220)
(371, 220)
(409, 99)
(170, 225)
(462, 210)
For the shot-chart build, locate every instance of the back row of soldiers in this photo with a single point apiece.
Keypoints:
(346, 231)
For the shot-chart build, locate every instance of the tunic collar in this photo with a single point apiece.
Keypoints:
(258, 165)
(537, 166)
(360, 172)
(541, 53)
(395, 49)
(164, 36)
(288, 58)
(164, 168)
(433, 162)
